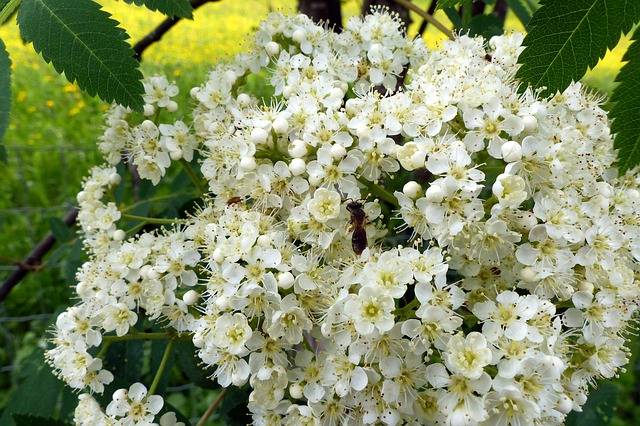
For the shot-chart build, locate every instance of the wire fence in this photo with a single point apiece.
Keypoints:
(40, 183)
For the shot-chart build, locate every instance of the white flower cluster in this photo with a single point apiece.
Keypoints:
(396, 235)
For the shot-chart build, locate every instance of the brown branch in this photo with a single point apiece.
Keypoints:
(156, 34)
(433, 21)
(431, 10)
(33, 261)
(212, 407)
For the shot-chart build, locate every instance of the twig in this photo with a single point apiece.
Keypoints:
(431, 10)
(153, 220)
(34, 259)
(439, 25)
(159, 31)
(212, 407)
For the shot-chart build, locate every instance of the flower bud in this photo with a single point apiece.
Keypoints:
(530, 123)
(511, 151)
(299, 35)
(412, 189)
(280, 125)
(190, 297)
(118, 235)
(244, 99)
(172, 106)
(248, 163)
(259, 135)
(285, 280)
(148, 110)
(297, 149)
(272, 48)
(297, 166)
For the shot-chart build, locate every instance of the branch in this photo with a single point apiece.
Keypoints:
(156, 34)
(212, 408)
(439, 25)
(34, 259)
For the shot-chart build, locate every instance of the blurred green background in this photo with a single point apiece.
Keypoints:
(51, 143)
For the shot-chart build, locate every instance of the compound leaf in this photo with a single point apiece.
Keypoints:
(566, 37)
(83, 41)
(626, 108)
(179, 8)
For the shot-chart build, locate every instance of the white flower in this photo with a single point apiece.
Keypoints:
(134, 406)
(371, 310)
(232, 332)
(467, 355)
(324, 205)
(510, 190)
(289, 321)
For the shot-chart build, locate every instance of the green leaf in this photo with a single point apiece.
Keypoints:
(7, 8)
(30, 420)
(179, 8)
(447, 3)
(5, 96)
(567, 37)
(38, 395)
(486, 26)
(598, 411)
(82, 41)
(191, 366)
(625, 112)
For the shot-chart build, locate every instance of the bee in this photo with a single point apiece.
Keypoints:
(233, 200)
(358, 220)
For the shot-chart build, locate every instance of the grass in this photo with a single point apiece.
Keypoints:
(51, 143)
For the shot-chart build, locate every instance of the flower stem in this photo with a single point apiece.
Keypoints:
(192, 175)
(212, 408)
(145, 336)
(379, 192)
(161, 368)
(154, 220)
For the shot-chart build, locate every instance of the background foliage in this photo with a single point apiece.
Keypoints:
(50, 144)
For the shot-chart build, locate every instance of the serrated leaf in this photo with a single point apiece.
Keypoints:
(566, 37)
(30, 420)
(38, 395)
(626, 108)
(447, 3)
(179, 8)
(486, 26)
(5, 96)
(81, 40)
(598, 410)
